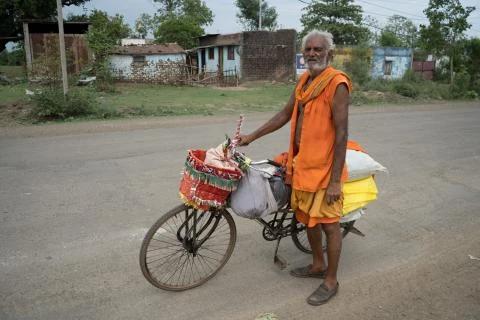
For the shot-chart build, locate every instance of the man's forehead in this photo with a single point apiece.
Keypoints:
(316, 41)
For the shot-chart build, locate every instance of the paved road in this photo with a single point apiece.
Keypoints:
(76, 201)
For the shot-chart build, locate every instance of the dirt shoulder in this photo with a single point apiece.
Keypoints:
(10, 127)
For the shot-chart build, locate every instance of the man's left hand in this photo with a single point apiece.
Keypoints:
(334, 192)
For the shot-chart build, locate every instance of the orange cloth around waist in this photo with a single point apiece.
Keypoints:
(311, 208)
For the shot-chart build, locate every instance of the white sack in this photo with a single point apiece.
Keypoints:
(360, 165)
(253, 197)
(354, 215)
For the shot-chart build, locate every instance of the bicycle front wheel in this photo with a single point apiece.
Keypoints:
(186, 247)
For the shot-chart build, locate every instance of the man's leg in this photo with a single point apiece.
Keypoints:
(329, 287)
(314, 236)
(334, 248)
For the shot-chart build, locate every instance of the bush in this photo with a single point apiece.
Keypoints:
(413, 77)
(461, 84)
(406, 89)
(381, 85)
(52, 104)
(359, 67)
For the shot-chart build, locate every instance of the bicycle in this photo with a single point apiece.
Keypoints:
(186, 247)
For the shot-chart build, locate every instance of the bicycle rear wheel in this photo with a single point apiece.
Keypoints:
(300, 239)
(299, 235)
(186, 247)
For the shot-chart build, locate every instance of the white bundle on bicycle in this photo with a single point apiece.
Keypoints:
(360, 165)
(253, 197)
(360, 188)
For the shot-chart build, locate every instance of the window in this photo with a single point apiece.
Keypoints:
(231, 53)
(138, 59)
(388, 68)
(211, 53)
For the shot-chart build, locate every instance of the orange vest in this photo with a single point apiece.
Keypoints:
(314, 159)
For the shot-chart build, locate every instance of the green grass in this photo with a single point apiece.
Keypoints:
(13, 93)
(164, 100)
(134, 100)
(13, 72)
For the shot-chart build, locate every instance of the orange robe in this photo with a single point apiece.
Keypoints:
(314, 159)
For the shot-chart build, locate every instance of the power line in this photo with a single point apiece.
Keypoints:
(374, 4)
(390, 9)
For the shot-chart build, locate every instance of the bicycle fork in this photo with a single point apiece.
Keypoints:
(192, 239)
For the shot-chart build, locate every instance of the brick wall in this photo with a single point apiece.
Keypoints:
(268, 55)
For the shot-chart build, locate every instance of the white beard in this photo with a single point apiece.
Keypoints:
(317, 67)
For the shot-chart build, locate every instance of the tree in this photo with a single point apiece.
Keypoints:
(472, 57)
(13, 12)
(372, 26)
(144, 24)
(448, 22)
(181, 30)
(189, 15)
(105, 32)
(249, 15)
(389, 39)
(341, 18)
(196, 10)
(77, 17)
(403, 29)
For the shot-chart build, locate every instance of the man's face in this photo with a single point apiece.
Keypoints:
(316, 54)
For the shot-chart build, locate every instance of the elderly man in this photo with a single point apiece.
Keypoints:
(318, 110)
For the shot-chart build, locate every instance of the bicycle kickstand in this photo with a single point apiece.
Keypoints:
(277, 259)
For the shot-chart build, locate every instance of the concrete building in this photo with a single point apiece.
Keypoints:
(158, 63)
(252, 55)
(391, 63)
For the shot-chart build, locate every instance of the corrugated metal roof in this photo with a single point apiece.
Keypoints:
(149, 49)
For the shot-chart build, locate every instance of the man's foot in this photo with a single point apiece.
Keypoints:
(306, 272)
(322, 295)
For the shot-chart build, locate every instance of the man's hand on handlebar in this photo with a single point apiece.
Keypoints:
(244, 140)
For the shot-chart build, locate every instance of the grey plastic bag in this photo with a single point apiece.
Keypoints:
(253, 197)
(280, 190)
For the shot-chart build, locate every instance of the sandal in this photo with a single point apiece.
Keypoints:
(322, 295)
(306, 272)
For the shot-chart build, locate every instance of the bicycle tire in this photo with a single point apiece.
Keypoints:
(171, 264)
(299, 234)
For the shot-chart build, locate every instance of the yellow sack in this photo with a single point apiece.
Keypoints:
(359, 193)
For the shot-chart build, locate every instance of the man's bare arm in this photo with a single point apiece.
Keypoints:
(340, 104)
(275, 123)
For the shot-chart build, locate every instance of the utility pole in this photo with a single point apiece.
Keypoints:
(260, 15)
(63, 56)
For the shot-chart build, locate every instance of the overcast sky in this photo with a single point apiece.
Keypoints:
(289, 12)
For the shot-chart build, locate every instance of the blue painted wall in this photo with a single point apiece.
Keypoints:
(400, 60)
(211, 65)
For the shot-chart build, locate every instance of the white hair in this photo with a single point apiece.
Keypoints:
(322, 34)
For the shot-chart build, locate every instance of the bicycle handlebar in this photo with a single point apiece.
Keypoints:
(267, 161)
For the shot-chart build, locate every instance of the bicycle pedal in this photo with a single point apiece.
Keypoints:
(280, 262)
